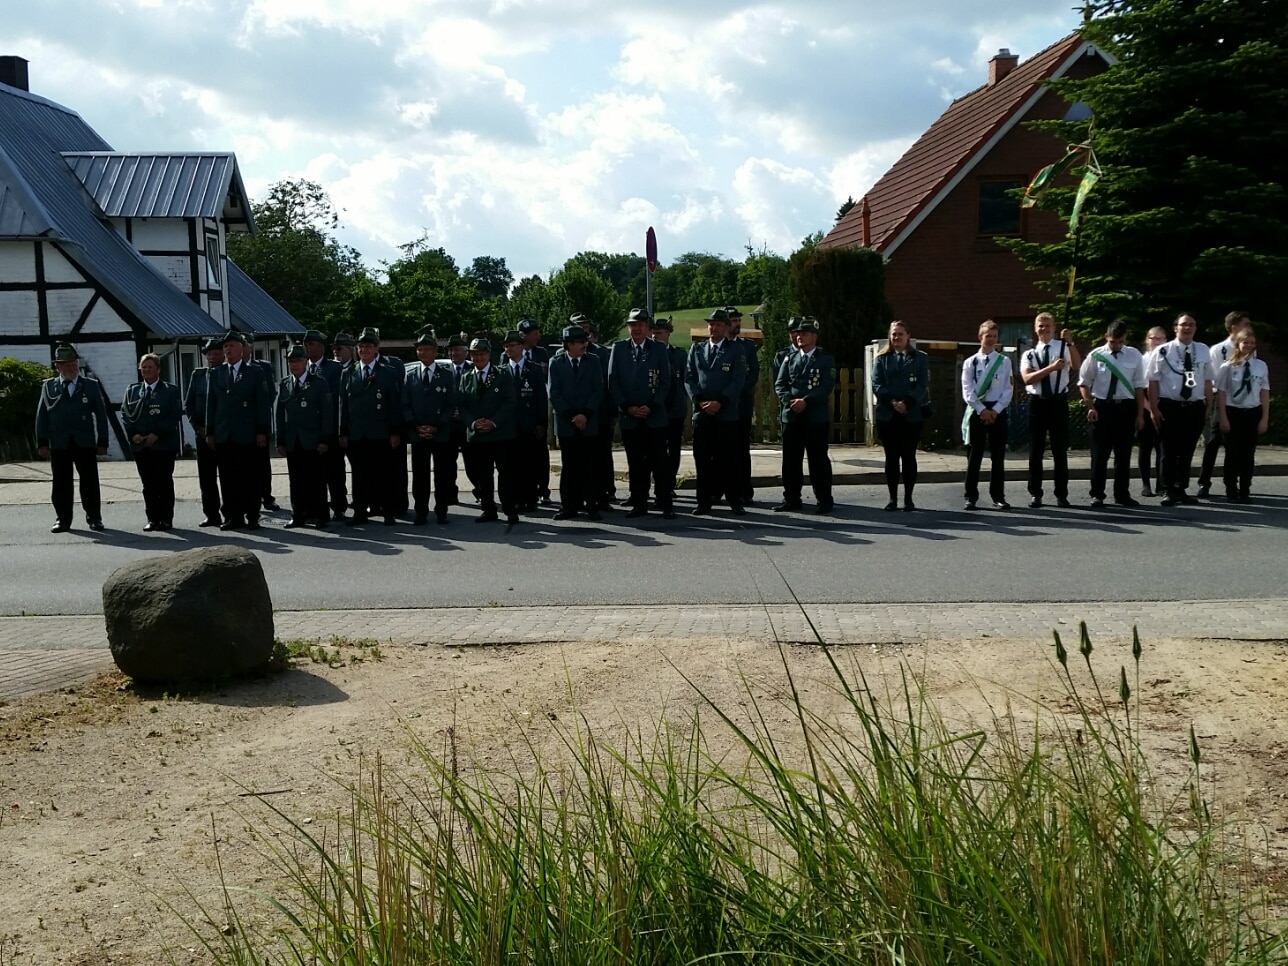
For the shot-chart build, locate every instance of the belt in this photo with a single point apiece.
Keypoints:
(1117, 402)
(1183, 402)
(1055, 395)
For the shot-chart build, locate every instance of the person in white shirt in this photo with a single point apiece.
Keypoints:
(1046, 371)
(1112, 382)
(1149, 451)
(1213, 441)
(1180, 390)
(986, 388)
(1243, 401)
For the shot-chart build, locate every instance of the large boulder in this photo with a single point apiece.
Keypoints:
(198, 615)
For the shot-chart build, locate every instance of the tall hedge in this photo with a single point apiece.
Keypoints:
(19, 393)
(844, 288)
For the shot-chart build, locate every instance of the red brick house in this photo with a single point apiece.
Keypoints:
(937, 213)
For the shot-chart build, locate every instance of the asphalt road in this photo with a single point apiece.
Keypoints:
(940, 553)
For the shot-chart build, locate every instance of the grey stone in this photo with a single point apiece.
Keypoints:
(198, 615)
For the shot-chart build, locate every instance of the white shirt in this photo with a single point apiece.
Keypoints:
(997, 393)
(70, 387)
(1041, 356)
(1220, 354)
(1096, 376)
(1167, 368)
(1229, 380)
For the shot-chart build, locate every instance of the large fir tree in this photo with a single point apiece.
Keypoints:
(1191, 129)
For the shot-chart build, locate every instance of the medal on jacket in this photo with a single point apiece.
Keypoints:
(1190, 381)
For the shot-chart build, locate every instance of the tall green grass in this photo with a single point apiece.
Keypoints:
(881, 835)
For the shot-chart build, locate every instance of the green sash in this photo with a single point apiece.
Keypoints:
(1109, 364)
(988, 378)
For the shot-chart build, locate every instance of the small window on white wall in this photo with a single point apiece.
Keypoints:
(213, 262)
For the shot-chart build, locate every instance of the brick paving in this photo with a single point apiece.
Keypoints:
(45, 653)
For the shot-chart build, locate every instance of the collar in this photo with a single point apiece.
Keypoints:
(807, 354)
(717, 345)
(482, 373)
(152, 385)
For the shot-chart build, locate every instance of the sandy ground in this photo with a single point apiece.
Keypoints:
(112, 799)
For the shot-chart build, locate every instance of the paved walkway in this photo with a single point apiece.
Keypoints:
(44, 653)
(27, 484)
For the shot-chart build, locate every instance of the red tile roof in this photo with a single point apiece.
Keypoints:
(950, 143)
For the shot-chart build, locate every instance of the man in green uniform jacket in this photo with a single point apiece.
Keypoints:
(804, 389)
(489, 409)
(194, 407)
(71, 432)
(150, 413)
(428, 401)
(305, 427)
(239, 414)
(371, 430)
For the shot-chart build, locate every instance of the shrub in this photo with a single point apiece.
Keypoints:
(19, 394)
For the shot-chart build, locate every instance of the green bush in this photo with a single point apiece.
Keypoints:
(19, 394)
(881, 836)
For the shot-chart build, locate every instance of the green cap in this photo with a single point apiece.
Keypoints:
(231, 336)
(343, 338)
(718, 315)
(297, 351)
(808, 324)
(480, 344)
(529, 325)
(637, 315)
(733, 311)
(513, 336)
(370, 334)
(315, 335)
(426, 337)
(458, 341)
(65, 352)
(213, 344)
(574, 333)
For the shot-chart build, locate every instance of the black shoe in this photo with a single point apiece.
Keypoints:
(1146, 491)
(738, 510)
(909, 506)
(270, 504)
(1169, 501)
(788, 506)
(546, 501)
(1035, 503)
(593, 515)
(231, 525)
(323, 522)
(701, 511)
(1097, 502)
(357, 520)
(1001, 505)
(566, 515)
(1204, 490)
(210, 522)
(390, 521)
(1128, 501)
(637, 511)
(824, 508)
(668, 514)
(892, 505)
(149, 527)
(253, 525)
(1063, 502)
(60, 527)
(421, 520)
(1188, 500)
(969, 505)
(164, 525)
(441, 517)
(511, 519)
(487, 516)
(294, 523)
(605, 507)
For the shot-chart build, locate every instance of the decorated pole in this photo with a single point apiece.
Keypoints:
(650, 261)
(1045, 178)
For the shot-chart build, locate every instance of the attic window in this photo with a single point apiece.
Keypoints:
(999, 207)
(213, 262)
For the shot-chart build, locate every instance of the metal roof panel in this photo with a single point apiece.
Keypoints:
(254, 310)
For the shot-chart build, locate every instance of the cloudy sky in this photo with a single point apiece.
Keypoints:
(534, 129)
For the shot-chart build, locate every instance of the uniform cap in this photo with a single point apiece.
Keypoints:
(483, 344)
(794, 323)
(237, 337)
(315, 335)
(717, 315)
(343, 338)
(65, 352)
(574, 333)
(213, 343)
(808, 324)
(297, 351)
(458, 341)
(638, 315)
(370, 335)
(529, 325)
(660, 323)
(426, 337)
(578, 318)
(514, 335)
(733, 311)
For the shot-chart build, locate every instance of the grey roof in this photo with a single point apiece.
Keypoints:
(34, 133)
(163, 185)
(21, 213)
(254, 310)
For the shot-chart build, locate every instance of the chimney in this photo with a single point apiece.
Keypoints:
(13, 71)
(1001, 65)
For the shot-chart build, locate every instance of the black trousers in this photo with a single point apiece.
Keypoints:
(1149, 455)
(397, 504)
(306, 472)
(604, 459)
(1112, 433)
(84, 459)
(529, 452)
(482, 460)
(336, 477)
(1049, 418)
(375, 477)
(264, 472)
(156, 473)
(208, 478)
(578, 479)
(457, 442)
(239, 480)
(1240, 449)
(991, 440)
(1213, 441)
(1180, 432)
(541, 464)
(437, 462)
(647, 457)
(744, 458)
(715, 451)
(805, 440)
(674, 445)
(899, 439)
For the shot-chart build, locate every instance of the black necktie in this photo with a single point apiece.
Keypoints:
(1046, 361)
(67, 389)
(1113, 381)
(575, 364)
(1186, 389)
(366, 373)
(1246, 387)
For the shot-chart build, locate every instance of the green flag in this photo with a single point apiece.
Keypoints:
(1044, 178)
(1089, 178)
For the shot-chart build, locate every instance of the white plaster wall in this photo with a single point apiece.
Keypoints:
(177, 268)
(17, 261)
(168, 234)
(103, 318)
(58, 268)
(65, 307)
(115, 365)
(19, 313)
